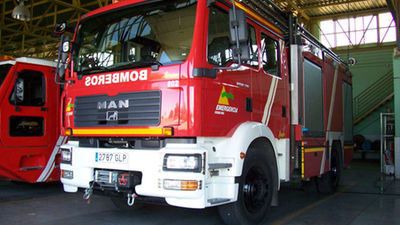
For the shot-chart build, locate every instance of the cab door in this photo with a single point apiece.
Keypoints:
(28, 112)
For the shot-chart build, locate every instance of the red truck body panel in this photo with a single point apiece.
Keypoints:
(198, 107)
(29, 130)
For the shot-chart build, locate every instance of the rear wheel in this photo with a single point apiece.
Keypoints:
(256, 189)
(329, 182)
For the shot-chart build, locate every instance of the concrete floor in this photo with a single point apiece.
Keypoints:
(364, 198)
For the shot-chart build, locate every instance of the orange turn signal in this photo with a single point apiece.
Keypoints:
(168, 131)
(182, 185)
(189, 185)
(68, 132)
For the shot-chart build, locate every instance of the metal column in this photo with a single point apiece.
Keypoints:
(396, 80)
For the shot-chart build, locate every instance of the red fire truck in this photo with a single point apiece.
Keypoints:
(202, 103)
(29, 134)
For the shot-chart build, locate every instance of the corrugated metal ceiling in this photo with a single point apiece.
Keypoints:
(324, 8)
(315, 9)
(35, 38)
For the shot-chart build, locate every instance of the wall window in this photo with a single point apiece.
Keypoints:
(29, 89)
(270, 55)
(360, 30)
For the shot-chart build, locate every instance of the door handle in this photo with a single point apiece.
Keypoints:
(44, 109)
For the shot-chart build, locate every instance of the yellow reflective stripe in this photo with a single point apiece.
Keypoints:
(310, 150)
(146, 131)
(257, 17)
(302, 159)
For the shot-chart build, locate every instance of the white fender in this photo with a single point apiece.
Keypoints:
(245, 134)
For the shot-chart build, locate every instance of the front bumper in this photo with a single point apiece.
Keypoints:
(211, 192)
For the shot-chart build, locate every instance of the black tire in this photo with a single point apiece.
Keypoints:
(121, 204)
(256, 189)
(328, 183)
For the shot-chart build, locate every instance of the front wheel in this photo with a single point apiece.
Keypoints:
(256, 189)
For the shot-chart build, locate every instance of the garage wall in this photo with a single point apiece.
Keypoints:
(372, 64)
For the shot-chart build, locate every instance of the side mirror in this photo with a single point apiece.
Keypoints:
(238, 26)
(60, 28)
(63, 53)
(19, 90)
(239, 34)
(243, 52)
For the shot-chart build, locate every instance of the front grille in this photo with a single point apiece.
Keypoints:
(122, 180)
(144, 109)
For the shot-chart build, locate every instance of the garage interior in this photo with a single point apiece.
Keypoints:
(365, 33)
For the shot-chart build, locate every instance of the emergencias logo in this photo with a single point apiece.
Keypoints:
(224, 104)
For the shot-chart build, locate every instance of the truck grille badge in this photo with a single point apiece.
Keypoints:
(112, 116)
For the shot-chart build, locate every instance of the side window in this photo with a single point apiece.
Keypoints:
(219, 47)
(29, 89)
(270, 55)
(253, 47)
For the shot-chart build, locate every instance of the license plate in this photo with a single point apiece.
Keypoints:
(108, 157)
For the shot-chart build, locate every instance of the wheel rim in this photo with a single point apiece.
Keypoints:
(255, 190)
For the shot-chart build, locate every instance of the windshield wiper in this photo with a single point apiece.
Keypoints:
(155, 65)
(95, 69)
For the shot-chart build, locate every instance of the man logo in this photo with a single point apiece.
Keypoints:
(117, 104)
(112, 116)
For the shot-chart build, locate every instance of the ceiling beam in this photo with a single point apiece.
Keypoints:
(339, 15)
(325, 3)
(28, 33)
(36, 36)
(394, 6)
(68, 5)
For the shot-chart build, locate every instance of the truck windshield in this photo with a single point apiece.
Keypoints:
(153, 33)
(4, 71)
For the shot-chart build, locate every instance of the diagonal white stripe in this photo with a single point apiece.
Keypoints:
(269, 101)
(272, 101)
(50, 163)
(50, 171)
(329, 125)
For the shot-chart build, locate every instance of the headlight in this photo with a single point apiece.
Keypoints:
(66, 155)
(189, 163)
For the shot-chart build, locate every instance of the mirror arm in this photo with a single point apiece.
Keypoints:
(56, 75)
(236, 25)
(60, 63)
(237, 51)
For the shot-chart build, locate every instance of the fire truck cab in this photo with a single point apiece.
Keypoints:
(29, 112)
(201, 104)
